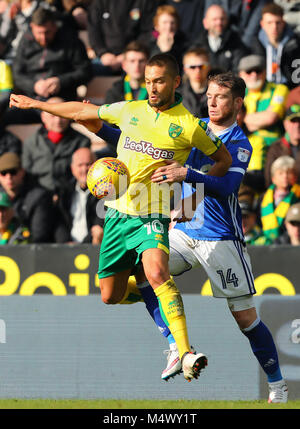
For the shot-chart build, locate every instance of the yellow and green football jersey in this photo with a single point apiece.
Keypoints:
(147, 140)
(272, 96)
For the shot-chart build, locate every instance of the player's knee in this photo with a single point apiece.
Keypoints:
(245, 318)
(157, 276)
(108, 299)
(107, 294)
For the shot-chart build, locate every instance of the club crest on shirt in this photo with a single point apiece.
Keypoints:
(243, 154)
(175, 130)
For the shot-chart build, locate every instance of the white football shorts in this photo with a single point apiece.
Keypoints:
(227, 263)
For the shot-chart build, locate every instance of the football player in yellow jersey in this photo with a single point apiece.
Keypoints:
(153, 131)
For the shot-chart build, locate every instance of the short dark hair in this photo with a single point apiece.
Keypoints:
(165, 60)
(273, 9)
(41, 16)
(137, 46)
(197, 50)
(229, 80)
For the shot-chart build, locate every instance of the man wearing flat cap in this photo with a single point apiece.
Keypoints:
(292, 225)
(289, 144)
(264, 102)
(251, 230)
(32, 204)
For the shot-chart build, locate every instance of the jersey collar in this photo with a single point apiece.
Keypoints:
(220, 133)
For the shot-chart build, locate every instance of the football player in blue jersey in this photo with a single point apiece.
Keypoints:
(213, 237)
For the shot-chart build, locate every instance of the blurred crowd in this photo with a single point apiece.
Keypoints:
(49, 49)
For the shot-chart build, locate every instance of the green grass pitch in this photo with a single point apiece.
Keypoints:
(140, 404)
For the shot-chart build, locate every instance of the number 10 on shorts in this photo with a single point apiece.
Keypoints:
(154, 226)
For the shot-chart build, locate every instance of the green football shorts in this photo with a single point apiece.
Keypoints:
(126, 237)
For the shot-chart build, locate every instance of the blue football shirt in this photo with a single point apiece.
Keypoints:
(219, 218)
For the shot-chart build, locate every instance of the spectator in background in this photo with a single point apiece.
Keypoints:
(16, 20)
(167, 37)
(223, 44)
(265, 109)
(48, 152)
(8, 141)
(11, 231)
(49, 62)
(132, 85)
(75, 12)
(196, 68)
(292, 227)
(251, 229)
(191, 13)
(77, 206)
(281, 194)
(6, 85)
(279, 44)
(112, 25)
(289, 144)
(244, 16)
(32, 203)
(15, 23)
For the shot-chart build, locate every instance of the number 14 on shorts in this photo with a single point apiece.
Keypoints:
(228, 278)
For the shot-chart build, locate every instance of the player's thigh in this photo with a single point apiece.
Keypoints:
(228, 267)
(182, 256)
(115, 257)
(113, 287)
(150, 241)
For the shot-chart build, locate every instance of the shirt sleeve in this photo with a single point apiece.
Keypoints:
(205, 140)
(109, 134)
(241, 152)
(112, 113)
(224, 186)
(217, 187)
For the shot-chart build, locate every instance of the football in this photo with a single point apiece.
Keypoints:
(108, 178)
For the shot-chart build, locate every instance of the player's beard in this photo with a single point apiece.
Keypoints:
(164, 101)
(223, 119)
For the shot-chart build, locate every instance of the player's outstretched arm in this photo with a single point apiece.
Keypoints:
(84, 113)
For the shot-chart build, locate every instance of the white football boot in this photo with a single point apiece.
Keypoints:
(192, 364)
(174, 366)
(278, 392)
(173, 363)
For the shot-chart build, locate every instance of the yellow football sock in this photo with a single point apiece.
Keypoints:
(172, 311)
(132, 293)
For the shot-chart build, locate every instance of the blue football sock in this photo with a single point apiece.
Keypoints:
(152, 306)
(264, 349)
